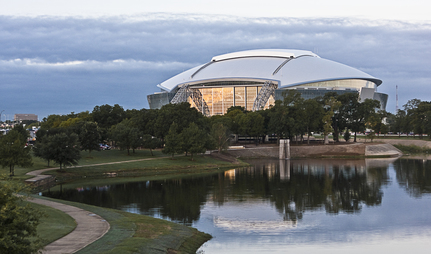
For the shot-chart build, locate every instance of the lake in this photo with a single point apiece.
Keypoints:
(295, 206)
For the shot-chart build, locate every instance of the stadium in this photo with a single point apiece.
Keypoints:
(254, 79)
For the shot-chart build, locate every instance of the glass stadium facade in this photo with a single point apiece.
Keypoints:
(255, 79)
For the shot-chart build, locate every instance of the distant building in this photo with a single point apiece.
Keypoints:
(24, 117)
(254, 79)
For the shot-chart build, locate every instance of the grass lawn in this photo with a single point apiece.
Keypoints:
(20, 172)
(105, 156)
(163, 168)
(147, 169)
(412, 149)
(134, 233)
(54, 224)
(129, 233)
(151, 164)
(87, 158)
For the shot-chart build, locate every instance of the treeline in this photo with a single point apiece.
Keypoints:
(414, 118)
(179, 128)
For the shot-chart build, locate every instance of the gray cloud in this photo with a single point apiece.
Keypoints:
(57, 65)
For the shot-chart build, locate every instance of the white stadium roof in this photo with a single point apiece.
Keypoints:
(287, 67)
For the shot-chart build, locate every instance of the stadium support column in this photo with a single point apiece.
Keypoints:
(200, 103)
(268, 89)
(185, 92)
(182, 95)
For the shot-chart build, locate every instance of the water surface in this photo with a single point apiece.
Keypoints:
(297, 206)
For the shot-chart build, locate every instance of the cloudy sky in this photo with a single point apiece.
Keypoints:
(58, 57)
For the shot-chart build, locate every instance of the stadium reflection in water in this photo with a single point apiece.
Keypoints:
(377, 205)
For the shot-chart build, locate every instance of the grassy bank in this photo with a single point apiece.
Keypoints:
(54, 223)
(110, 167)
(412, 149)
(129, 233)
(20, 173)
(150, 167)
(121, 163)
(95, 157)
(134, 233)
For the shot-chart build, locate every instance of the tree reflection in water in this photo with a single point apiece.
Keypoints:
(293, 187)
(414, 176)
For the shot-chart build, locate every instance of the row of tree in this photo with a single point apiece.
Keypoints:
(14, 151)
(179, 128)
(415, 117)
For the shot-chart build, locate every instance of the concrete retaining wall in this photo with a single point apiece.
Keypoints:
(406, 142)
(41, 180)
(258, 152)
(351, 149)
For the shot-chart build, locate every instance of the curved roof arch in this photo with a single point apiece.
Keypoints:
(283, 53)
(287, 67)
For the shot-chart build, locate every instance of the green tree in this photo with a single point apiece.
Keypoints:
(107, 116)
(173, 141)
(64, 149)
(280, 120)
(221, 119)
(404, 122)
(150, 142)
(13, 151)
(344, 116)
(295, 106)
(24, 133)
(331, 105)
(242, 109)
(53, 121)
(419, 117)
(42, 149)
(126, 136)
(145, 121)
(251, 124)
(398, 123)
(361, 115)
(220, 135)
(412, 117)
(346, 135)
(18, 222)
(194, 140)
(89, 136)
(234, 115)
(311, 117)
(266, 119)
(182, 114)
(376, 122)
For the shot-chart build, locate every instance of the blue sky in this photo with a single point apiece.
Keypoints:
(62, 56)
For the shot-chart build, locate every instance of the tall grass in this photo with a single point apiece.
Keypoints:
(412, 149)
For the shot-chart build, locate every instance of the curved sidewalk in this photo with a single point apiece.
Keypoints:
(90, 227)
(37, 174)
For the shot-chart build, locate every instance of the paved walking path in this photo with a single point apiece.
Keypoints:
(90, 227)
(38, 173)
